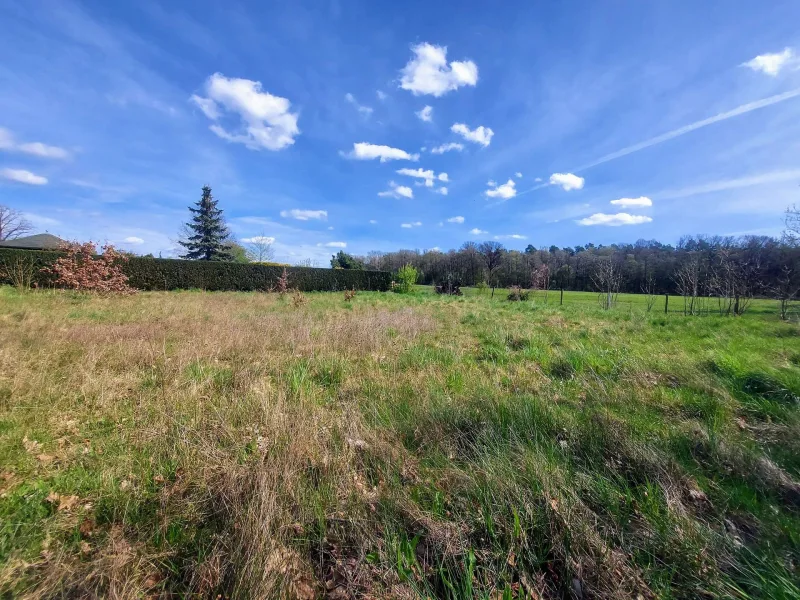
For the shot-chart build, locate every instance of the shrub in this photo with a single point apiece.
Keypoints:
(282, 286)
(172, 274)
(349, 295)
(482, 288)
(517, 294)
(19, 271)
(406, 278)
(80, 268)
(298, 299)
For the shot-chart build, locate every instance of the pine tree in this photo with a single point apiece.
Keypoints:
(208, 234)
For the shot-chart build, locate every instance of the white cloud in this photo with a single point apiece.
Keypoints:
(373, 222)
(259, 239)
(443, 177)
(305, 215)
(538, 179)
(447, 148)
(43, 150)
(381, 95)
(567, 181)
(614, 220)
(426, 114)
(23, 176)
(410, 225)
(505, 191)
(434, 249)
(428, 72)
(367, 151)
(455, 220)
(627, 202)
(265, 120)
(426, 175)
(133, 240)
(334, 244)
(491, 183)
(397, 191)
(511, 236)
(479, 135)
(207, 105)
(477, 231)
(35, 148)
(442, 190)
(518, 175)
(770, 64)
(364, 110)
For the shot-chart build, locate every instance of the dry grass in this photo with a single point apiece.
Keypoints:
(255, 446)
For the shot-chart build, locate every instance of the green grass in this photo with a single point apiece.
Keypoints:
(196, 444)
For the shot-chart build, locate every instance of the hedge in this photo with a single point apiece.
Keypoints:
(174, 274)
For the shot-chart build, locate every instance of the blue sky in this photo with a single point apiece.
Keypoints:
(549, 123)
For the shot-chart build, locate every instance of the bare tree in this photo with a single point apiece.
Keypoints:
(792, 232)
(540, 280)
(649, 290)
(307, 262)
(687, 280)
(735, 280)
(786, 289)
(13, 224)
(492, 253)
(259, 248)
(607, 278)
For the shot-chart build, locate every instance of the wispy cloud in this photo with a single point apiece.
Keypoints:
(458, 220)
(664, 137)
(305, 215)
(731, 184)
(447, 148)
(397, 191)
(364, 110)
(23, 176)
(9, 144)
(614, 220)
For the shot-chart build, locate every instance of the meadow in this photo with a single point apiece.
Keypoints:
(246, 445)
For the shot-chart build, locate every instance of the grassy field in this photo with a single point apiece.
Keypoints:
(227, 445)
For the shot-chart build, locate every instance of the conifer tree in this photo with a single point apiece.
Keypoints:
(207, 234)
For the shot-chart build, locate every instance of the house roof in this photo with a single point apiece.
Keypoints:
(40, 241)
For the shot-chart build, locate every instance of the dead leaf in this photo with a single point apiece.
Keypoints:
(45, 459)
(31, 446)
(87, 527)
(85, 548)
(67, 503)
(158, 479)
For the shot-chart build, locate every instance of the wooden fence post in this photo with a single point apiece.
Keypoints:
(666, 303)
(561, 303)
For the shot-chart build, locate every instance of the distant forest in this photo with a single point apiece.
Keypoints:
(696, 266)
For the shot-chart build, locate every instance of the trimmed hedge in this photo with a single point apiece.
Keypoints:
(174, 274)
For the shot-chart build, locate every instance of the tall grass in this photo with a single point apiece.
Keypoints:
(202, 444)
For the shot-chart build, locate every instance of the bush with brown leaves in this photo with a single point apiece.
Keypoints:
(84, 270)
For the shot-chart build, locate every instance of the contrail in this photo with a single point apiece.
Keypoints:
(739, 110)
